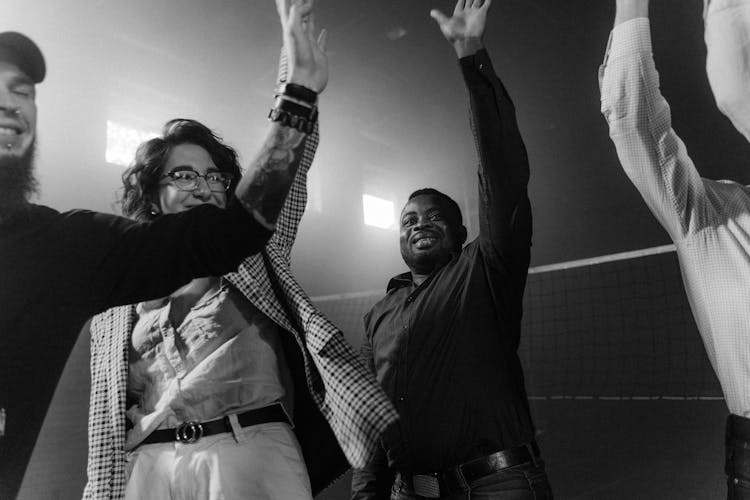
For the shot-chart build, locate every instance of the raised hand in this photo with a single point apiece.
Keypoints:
(308, 63)
(466, 27)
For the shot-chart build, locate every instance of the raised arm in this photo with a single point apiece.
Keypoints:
(504, 210)
(294, 207)
(640, 125)
(263, 189)
(208, 240)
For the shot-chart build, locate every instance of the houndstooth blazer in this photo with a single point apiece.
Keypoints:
(345, 392)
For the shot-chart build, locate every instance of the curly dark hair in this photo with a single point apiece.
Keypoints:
(141, 180)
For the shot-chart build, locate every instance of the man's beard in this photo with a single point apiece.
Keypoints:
(17, 184)
(425, 263)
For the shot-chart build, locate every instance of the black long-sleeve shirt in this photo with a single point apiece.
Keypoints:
(446, 351)
(58, 269)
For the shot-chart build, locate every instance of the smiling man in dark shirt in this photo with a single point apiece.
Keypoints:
(443, 342)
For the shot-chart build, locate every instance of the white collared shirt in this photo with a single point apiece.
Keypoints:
(225, 357)
(709, 221)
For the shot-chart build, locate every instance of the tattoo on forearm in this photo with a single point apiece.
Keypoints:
(265, 186)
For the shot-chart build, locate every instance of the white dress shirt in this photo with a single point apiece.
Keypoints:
(709, 221)
(225, 357)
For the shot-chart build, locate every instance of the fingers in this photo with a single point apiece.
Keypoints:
(295, 20)
(304, 7)
(460, 5)
(323, 40)
(309, 24)
(438, 16)
(478, 4)
(283, 7)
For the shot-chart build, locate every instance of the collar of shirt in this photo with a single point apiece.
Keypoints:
(400, 281)
(406, 279)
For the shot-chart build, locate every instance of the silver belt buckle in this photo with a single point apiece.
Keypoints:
(426, 485)
(188, 432)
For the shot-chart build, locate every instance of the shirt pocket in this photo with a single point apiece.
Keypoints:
(200, 333)
(205, 332)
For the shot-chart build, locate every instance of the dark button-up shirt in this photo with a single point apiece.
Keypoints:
(446, 351)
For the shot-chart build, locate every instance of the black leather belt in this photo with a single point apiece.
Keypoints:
(436, 484)
(192, 431)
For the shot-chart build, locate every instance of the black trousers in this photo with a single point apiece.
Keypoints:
(737, 465)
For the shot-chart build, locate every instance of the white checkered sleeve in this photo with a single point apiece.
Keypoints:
(360, 410)
(109, 350)
(640, 125)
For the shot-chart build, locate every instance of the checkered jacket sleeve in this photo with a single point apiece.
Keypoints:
(110, 334)
(346, 392)
(294, 208)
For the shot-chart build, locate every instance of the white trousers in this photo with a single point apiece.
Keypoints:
(727, 38)
(265, 462)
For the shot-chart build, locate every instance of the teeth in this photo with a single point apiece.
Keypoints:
(8, 131)
(424, 242)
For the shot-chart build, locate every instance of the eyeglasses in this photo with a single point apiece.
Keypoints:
(187, 180)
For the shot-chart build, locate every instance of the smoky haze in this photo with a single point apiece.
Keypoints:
(393, 118)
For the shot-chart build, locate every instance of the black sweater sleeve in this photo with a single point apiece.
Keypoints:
(122, 261)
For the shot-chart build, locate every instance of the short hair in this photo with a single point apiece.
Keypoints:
(142, 179)
(450, 202)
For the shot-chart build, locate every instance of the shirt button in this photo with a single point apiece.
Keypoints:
(401, 399)
(481, 65)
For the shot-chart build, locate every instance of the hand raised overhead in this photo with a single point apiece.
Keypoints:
(308, 63)
(466, 27)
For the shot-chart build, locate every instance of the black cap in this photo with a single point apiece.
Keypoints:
(24, 53)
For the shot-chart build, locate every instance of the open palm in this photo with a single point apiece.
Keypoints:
(308, 63)
(468, 21)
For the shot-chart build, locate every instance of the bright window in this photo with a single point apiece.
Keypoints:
(122, 143)
(378, 212)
